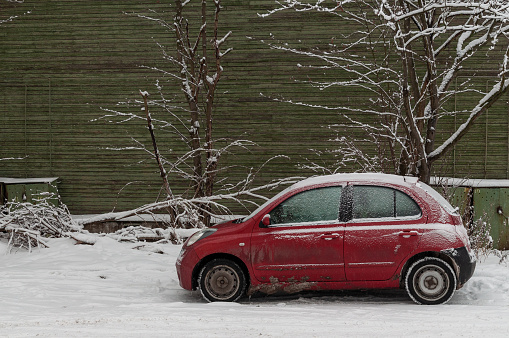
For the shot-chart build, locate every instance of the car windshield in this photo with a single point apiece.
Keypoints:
(261, 207)
(439, 198)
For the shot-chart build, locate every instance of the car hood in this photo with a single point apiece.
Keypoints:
(225, 225)
(231, 227)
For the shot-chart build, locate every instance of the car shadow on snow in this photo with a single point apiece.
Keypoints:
(393, 296)
(389, 296)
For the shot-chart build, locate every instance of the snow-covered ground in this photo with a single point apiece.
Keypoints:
(110, 289)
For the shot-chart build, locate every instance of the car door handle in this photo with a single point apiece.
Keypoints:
(407, 234)
(329, 237)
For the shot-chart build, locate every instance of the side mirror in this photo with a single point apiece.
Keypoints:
(265, 221)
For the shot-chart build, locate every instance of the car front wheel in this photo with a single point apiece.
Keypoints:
(222, 280)
(430, 281)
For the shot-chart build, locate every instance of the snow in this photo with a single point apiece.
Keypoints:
(355, 177)
(160, 218)
(221, 41)
(9, 180)
(110, 289)
(472, 182)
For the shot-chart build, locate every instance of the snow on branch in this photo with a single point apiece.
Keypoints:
(9, 19)
(13, 158)
(192, 203)
(223, 39)
(159, 21)
(485, 103)
(408, 59)
(14, 17)
(300, 6)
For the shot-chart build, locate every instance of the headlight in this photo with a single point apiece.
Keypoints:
(199, 235)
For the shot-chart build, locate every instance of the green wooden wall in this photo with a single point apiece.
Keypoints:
(63, 61)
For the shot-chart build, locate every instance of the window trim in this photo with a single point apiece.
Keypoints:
(305, 224)
(386, 219)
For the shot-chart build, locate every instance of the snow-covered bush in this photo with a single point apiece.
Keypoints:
(27, 225)
(480, 238)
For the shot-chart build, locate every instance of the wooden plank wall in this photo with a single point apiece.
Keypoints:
(66, 59)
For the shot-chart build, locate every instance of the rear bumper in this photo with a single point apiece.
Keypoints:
(465, 263)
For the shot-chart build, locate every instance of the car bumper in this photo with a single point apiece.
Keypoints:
(185, 264)
(465, 261)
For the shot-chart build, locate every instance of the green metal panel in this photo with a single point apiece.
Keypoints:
(42, 191)
(15, 193)
(32, 193)
(18, 190)
(492, 205)
(503, 227)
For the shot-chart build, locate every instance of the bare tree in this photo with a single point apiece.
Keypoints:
(408, 57)
(196, 67)
(200, 72)
(194, 64)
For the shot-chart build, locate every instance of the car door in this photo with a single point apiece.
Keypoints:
(304, 241)
(383, 231)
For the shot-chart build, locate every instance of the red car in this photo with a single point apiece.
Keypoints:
(337, 232)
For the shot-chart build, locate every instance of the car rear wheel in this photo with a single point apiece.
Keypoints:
(430, 281)
(222, 280)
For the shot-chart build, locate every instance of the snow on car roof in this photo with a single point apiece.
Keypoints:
(356, 177)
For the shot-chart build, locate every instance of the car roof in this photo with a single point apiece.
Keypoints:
(341, 178)
(356, 178)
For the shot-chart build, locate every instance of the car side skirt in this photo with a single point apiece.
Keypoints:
(275, 287)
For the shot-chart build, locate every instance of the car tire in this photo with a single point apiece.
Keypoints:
(430, 281)
(222, 280)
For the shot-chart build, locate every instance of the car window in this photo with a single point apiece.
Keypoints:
(321, 204)
(382, 202)
(405, 205)
(373, 202)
